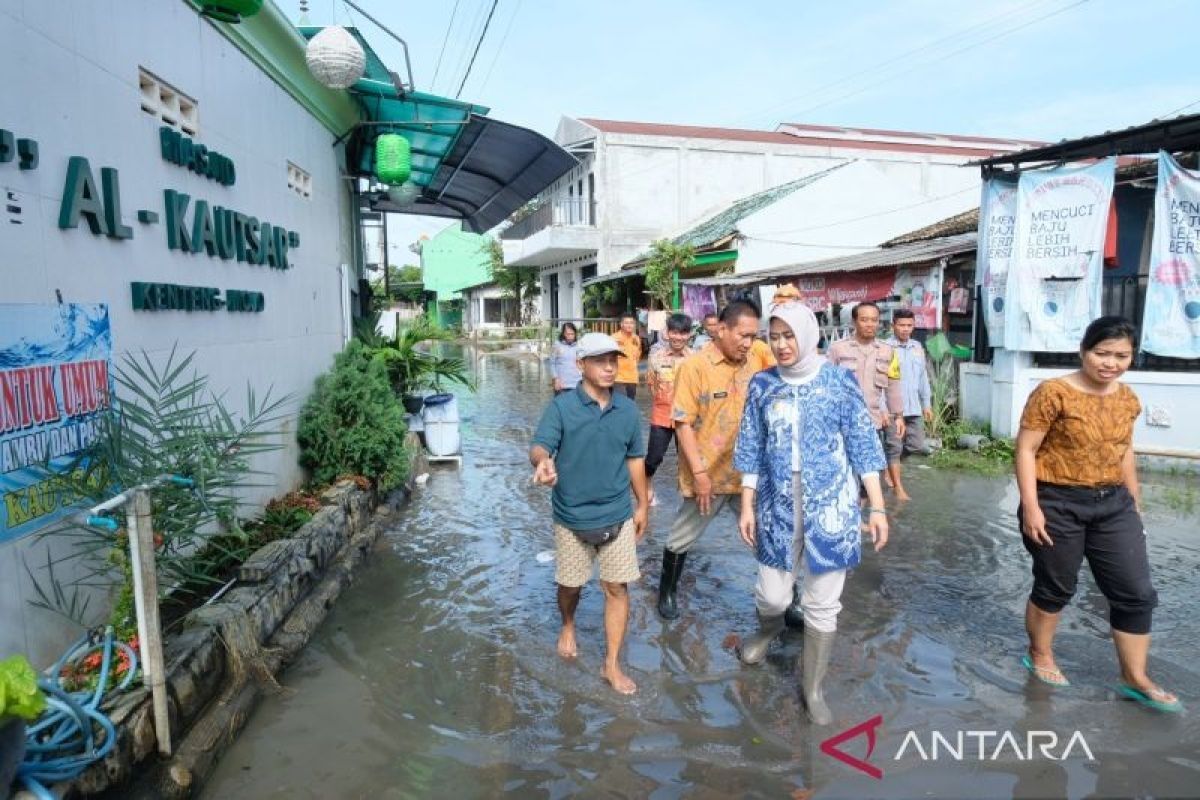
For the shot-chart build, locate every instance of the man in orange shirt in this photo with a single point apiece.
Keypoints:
(631, 347)
(710, 393)
(665, 358)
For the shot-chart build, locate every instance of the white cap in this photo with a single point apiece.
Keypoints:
(596, 344)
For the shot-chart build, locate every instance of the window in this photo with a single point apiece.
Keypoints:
(162, 100)
(554, 296)
(299, 181)
(492, 310)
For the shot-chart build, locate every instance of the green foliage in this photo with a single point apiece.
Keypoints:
(405, 283)
(994, 457)
(167, 422)
(19, 692)
(943, 385)
(352, 422)
(665, 261)
(410, 367)
(520, 284)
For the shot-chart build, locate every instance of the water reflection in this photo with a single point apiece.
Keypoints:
(436, 673)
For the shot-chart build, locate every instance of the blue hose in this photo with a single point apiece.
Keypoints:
(62, 743)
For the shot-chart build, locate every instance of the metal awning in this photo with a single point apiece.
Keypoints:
(493, 169)
(914, 253)
(466, 165)
(1173, 135)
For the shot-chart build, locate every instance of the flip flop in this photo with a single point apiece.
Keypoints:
(1147, 699)
(1053, 677)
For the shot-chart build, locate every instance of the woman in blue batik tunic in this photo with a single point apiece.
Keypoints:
(806, 440)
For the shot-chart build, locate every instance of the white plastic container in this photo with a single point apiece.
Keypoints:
(440, 417)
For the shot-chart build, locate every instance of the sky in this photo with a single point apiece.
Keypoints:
(1037, 69)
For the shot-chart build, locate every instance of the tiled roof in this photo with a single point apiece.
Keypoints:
(724, 223)
(966, 222)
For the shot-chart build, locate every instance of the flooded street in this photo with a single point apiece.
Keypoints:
(436, 676)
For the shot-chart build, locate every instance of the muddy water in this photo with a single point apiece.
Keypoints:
(436, 676)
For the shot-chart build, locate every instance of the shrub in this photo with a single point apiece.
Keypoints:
(352, 423)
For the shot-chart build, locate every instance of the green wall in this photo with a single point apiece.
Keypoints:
(452, 260)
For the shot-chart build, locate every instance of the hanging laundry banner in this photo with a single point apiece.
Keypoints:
(1054, 277)
(1171, 324)
(54, 386)
(997, 231)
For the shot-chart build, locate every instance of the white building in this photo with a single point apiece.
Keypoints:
(191, 183)
(637, 182)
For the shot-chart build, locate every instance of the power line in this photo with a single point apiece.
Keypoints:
(1181, 108)
(478, 44)
(467, 36)
(899, 57)
(500, 49)
(893, 76)
(445, 39)
(876, 214)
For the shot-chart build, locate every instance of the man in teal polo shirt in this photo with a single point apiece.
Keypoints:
(589, 447)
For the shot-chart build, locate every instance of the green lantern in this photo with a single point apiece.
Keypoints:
(393, 158)
(231, 11)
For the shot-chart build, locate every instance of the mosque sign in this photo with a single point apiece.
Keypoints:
(193, 225)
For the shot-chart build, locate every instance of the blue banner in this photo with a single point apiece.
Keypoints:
(1171, 325)
(55, 383)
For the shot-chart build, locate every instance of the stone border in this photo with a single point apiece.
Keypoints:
(229, 652)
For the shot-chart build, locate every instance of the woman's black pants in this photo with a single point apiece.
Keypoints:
(1103, 525)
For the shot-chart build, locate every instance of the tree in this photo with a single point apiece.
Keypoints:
(404, 282)
(519, 284)
(665, 262)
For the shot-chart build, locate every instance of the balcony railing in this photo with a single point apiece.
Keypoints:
(573, 212)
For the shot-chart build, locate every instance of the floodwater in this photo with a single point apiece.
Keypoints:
(435, 675)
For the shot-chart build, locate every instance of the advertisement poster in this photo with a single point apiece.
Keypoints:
(820, 291)
(698, 301)
(997, 231)
(1171, 325)
(919, 289)
(55, 383)
(1054, 277)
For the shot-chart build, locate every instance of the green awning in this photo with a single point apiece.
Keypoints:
(468, 166)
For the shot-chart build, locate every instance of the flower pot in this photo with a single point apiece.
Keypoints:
(413, 403)
(12, 750)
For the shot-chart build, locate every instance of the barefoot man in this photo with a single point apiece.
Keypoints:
(589, 447)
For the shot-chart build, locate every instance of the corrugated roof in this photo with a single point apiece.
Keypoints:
(1178, 134)
(955, 138)
(914, 253)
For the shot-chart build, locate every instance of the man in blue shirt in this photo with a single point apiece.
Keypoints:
(914, 388)
(589, 447)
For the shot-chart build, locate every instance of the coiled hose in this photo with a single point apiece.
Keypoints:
(62, 743)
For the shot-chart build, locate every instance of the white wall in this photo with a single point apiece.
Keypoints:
(72, 85)
(853, 208)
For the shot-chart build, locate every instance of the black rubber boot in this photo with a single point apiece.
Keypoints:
(793, 617)
(672, 568)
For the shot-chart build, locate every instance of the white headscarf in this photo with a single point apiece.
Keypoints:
(803, 323)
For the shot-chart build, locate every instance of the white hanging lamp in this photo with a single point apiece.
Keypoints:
(335, 58)
(404, 194)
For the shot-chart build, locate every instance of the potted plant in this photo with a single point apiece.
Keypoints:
(21, 701)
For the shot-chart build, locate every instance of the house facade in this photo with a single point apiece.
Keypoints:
(637, 182)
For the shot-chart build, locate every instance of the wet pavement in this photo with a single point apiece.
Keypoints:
(436, 676)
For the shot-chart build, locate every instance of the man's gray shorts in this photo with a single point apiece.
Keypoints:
(914, 439)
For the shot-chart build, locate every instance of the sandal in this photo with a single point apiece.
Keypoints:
(1155, 698)
(1053, 677)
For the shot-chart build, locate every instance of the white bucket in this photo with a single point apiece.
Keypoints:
(440, 417)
